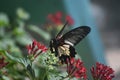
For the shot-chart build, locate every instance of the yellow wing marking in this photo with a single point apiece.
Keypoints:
(64, 50)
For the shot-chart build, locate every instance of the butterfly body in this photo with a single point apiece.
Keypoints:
(63, 45)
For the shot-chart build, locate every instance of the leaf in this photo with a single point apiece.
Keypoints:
(15, 59)
(5, 78)
(22, 14)
(9, 44)
(43, 73)
(24, 39)
(23, 61)
(31, 71)
(4, 21)
(42, 33)
(26, 62)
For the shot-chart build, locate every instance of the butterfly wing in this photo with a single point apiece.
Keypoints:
(74, 36)
(63, 46)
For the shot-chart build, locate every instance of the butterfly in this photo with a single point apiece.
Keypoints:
(63, 45)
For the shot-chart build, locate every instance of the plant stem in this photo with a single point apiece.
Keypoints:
(63, 78)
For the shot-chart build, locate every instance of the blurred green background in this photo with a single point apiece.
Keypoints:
(38, 9)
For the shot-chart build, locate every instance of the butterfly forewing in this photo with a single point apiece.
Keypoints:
(76, 35)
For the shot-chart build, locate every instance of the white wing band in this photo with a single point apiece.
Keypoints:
(68, 42)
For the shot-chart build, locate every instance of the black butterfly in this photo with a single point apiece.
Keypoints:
(63, 46)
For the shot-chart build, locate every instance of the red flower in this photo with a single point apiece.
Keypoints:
(102, 72)
(57, 18)
(70, 20)
(36, 48)
(76, 69)
(3, 63)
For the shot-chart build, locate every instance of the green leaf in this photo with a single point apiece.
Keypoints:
(23, 61)
(31, 71)
(5, 78)
(4, 21)
(39, 31)
(24, 39)
(2, 32)
(26, 62)
(43, 73)
(22, 14)
(19, 30)
(9, 44)
(10, 57)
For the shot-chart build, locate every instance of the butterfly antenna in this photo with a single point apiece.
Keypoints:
(59, 34)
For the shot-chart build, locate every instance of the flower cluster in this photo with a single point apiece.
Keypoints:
(57, 18)
(36, 48)
(102, 72)
(76, 69)
(2, 62)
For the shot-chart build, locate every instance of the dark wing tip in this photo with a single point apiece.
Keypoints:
(86, 28)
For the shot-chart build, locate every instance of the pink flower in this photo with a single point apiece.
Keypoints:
(76, 69)
(57, 18)
(102, 72)
(2, 62)
(36, 48)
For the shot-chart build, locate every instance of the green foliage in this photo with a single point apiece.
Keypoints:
(22, 67)
(16, 33)
(14, 36)
(13, 33)
(4, 21)
(42, 33)
(22, 14)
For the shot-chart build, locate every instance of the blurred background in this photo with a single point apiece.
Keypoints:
(24, 20)
(106, 13)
